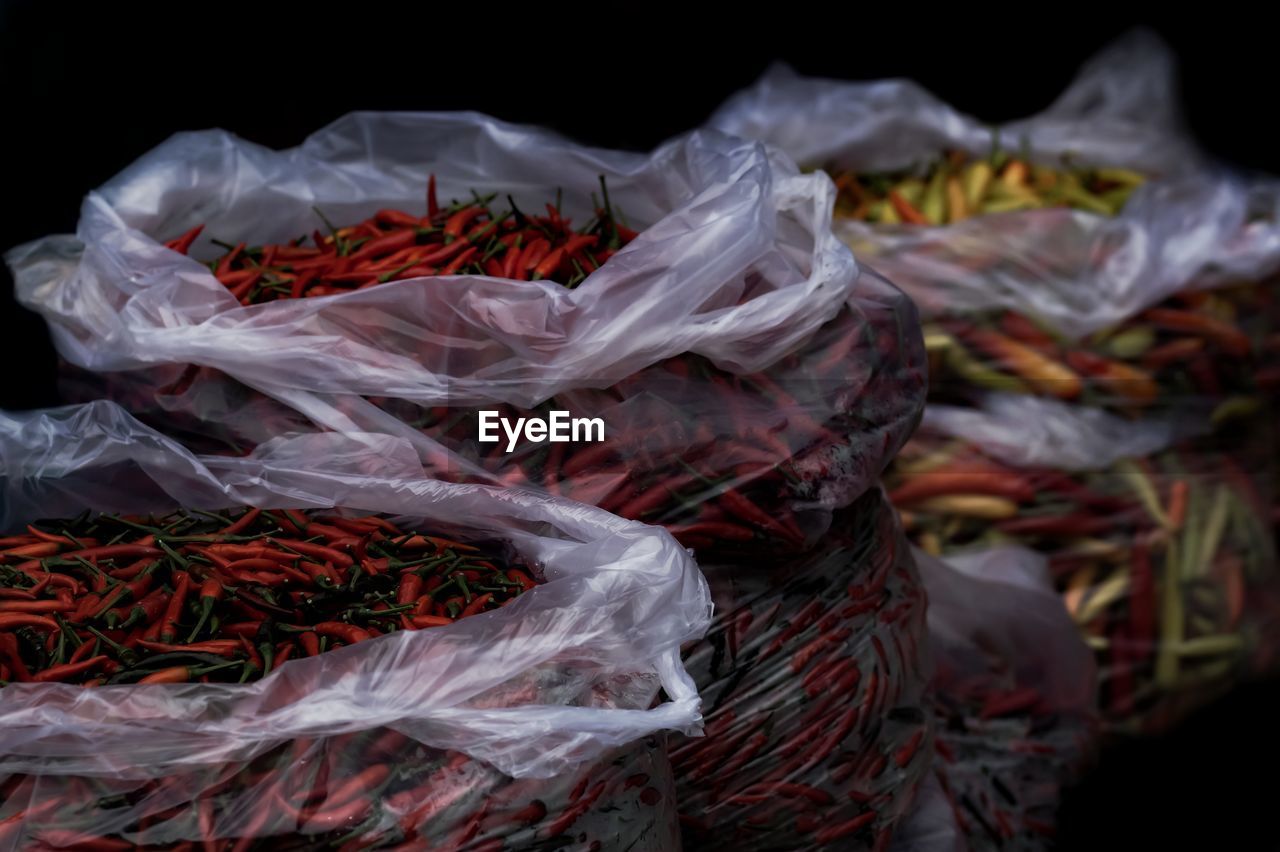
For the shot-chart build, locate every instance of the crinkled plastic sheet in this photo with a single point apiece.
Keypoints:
(1033, 432)
(618, 600)
(735, 261)
(1195, 225)
(296, 796)
(807, 435)
(1014, 695)
(812, 678)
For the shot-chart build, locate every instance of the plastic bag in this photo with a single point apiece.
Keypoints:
(1165, 560)
(481, 741)
(791, 443)
(735, 262)
(785, 381)
(1013, 695)
(812, 679)
(1194, 225)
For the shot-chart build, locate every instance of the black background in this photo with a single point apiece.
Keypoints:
(88, 89)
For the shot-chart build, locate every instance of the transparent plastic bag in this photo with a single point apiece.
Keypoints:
(766, 364)
(296, 796)
(735, 261)
(547, 703)
(792, 443)
(1192, 224)
(1013, 695)
(1165, 559)
(812, 679)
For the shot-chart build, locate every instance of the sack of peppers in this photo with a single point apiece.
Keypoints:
(323, 656)
(1100, 317)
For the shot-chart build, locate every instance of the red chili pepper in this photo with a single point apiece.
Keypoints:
(906, 210)
(115, 551)
(134, 589)
(577, 243)
(534, 253)
(460, 261)
(183, 243)
(16, 620)
(549, 264)
(397, 219)
(433, 206)
(348, 633)
(390, 243)
(50, 537)
(477, 604)
(37, 607)
(969, 479)
(242, 629)
(1162, 356)
(904, 755)
(131, 571)
(224, 265)
(1225, 336)
(68, 671)
(148, 609)
(169, 626)
(310, 643)
(210, 594)
(217, 647)
(242, 523)
(410, 589)
(453, 227)
(317, 551)
(428, 621)
(363, 784)
(37, 550)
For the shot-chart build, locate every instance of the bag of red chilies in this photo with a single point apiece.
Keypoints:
(537, 723)
(752, 386)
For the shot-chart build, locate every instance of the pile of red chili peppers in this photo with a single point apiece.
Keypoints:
(202, 597)
(465, 238)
